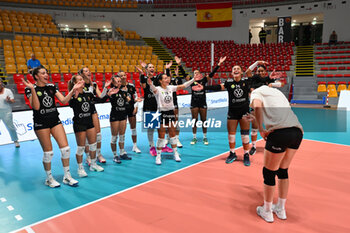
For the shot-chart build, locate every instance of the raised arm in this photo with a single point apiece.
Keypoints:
(249, 71)
(65, 99)
(33, 99)
(185, 85)
(181, 69)
(153, 88)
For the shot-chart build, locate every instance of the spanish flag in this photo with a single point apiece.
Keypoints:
(214, 15)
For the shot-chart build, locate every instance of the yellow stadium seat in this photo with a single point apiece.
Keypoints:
(87, 51)
(83, 41)
(21, 60)
(8, 28)
(48, 55)
(60, 39)
(72, 50)
(7, 42)
(133, 62)
(66, 55)
(61, 45)
(11, 68)
(26, 43)
(53, 39)
(61, 61)
(92, 68)
(75, 55)
(331, 87)
(98, 46)
(46, 49)
(124, 68)
(76, 45)
(79, 62)
(111, 62)
(39, 55)
(44, 38)
(36, 38)
(37, 49)
(52, 44)
(127, 56)
(48, 31)
(154, 62)
(341, 87)
(83, 46)
(73, 68)
(19, 37)
(54, 69)
(116, 68)
(18, 48)
(80, 50)
(51, 61)
(87, 62)
(91, 46)
(17, 43)
(68, 45)
(57, 55)
(91, 56)
(108, 69)
(100, 69)
(99, 56)
(8, 53)
(10, 60)
(75, 40)
(126, 62)
(103, 42)
(70, 61)
(83, 56)
(105, 47)
(106, 56)
(103, 62)
(160, 68)
(64, 69)
(69, 40)
(114, 56)
(19, 54)
(28, 38)
(119, 62)
(23, 69)
(333, 93)
(95, 62)
(35, 44)
(55, 49)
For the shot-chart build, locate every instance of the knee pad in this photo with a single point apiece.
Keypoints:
(133, 132)
(254, 132)
(269, 177)
(282, 173)
(48, 156)
(98, 137)
(122, 138)
(231, 138)
(65, 152)
(173, 141)
(80, 150)
(114, 139)
(245, 139)
(160, 142)
(93, 146)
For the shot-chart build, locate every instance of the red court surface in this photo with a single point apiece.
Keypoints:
(215, 197)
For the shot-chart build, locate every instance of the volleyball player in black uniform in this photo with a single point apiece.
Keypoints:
(198, 97)
(261, 78)
(131, 109)
(177, 80)
(41, 96)
(238, 90)
(93, 87)
(118, 116)
(83, 125)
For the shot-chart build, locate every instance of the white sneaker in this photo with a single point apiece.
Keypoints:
(281, 213)
(179, 143)
(17, 144)
(266, 215)
(158, 160)
(136, 150)
(88, 160)
(70, 181)
(177, 157)
(97, 168)
(82, 173)
(51, 182)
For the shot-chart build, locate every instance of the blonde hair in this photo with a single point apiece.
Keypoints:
(73, 81)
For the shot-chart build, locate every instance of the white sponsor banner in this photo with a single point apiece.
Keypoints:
(344, 100)
(23, 120)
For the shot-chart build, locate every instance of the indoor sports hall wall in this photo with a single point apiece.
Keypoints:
(166, 24)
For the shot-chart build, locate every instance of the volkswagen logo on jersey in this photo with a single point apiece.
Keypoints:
(238, 93)
(120, 102)
(85, 107)
(47, 101)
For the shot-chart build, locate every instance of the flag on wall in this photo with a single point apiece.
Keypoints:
(214, 15)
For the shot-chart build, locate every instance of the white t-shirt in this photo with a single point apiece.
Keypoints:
(4, 105)
(164, 98)
(277, 113)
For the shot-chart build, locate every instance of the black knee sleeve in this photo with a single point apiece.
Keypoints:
(282, 173)
(269, 177)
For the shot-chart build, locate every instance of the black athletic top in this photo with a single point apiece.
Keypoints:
(258, 81)
(199, 96)
(238, 92)
(82, 108)
(150, 101)
(131, 91)
(46, 95)
(118, 102)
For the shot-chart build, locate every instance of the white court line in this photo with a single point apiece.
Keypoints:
(29, 230)
(122, 191)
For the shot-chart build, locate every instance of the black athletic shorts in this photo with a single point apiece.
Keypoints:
(129, 111)
(237, 113)
(118, 116)
(49, 123)
(82, 127)
(198, 103)
(281, 139)
(167, 116)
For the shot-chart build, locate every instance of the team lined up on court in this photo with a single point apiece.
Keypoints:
(160, 95)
